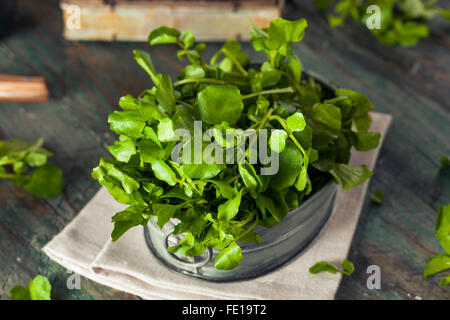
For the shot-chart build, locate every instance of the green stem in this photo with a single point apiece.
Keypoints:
(283, 124)
(271, 91)
(185, 103)
(249, 229)
(235, 62)
(207, 80)
(13, 176)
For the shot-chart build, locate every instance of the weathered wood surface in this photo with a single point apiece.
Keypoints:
(87, 79)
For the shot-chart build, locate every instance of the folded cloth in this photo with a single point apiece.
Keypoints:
(84, 247)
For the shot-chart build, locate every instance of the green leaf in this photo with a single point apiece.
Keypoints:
(163, 172)
(192, 71)
(323, 266)
(223, 189)
(123, 150)
(284, 31)
(45, 182)
(220, 103)
(165, 130)
(163, 35)
(363, 141)
(277, 140)
(229, 258)
(296, 122)
(150, 151)
(442, 227)
(164, 93)
(20, 293)
(290, 165)
(328, 115)
(377, 197)
(445, 161)
(295, 68)
(125, 220)
(164, 212)
(145, 61)
(40, 288)
(249, 177)
(230, 208)
(188, 39)
(128, 123)
(350, 176)
(275, 204)
(436, 264)
(445, 281)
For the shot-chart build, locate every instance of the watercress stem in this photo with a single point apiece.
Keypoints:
(235, 62)
(271, 91)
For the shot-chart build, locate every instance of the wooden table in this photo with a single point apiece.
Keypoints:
(87, 79)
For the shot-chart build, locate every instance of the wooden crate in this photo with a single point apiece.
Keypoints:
(132, 20)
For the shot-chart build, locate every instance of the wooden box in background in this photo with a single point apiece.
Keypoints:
(132, 20)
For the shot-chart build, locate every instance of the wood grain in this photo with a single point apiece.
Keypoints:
(87, 79)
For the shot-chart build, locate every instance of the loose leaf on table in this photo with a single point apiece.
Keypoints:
(377, 197)
(38, 288)
(347, 268)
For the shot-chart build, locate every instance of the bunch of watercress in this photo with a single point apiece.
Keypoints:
(402, 22)
(218, 205)
(18, 157)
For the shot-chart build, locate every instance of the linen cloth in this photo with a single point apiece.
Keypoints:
(84, 246)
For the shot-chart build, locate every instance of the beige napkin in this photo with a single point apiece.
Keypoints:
(84, 247)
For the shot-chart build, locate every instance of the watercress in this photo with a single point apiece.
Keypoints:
(39, 288)
(402, 22)
(218, 204)
(441, 262)
(18, 157)
(347, 268)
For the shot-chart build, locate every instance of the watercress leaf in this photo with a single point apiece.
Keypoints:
(163, 172)
(192, 71)
(249, 177)
(203, 170)
(230, 208)
(164, 93)
(296, 122)
(220, 103)
(45, 182)
(20, 293)
(229, 258)
(188, 39)
(446, 280)
(40, 288)
(442, 227)
(123, 150)
(163, 35)
(323, 266)
(145, 61)
(363, 141)
(348, 266)
(275, 204)
(328, 115)
(277, 140)
(223, 189)
(127, 123)
(150, 151)
(295, 68)
(290, 164)
(436, 264)
(282, 31)
(350, 176)
(445, 161)
(164, 212)
(377, 197)
(125, 220)
(165, 130)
